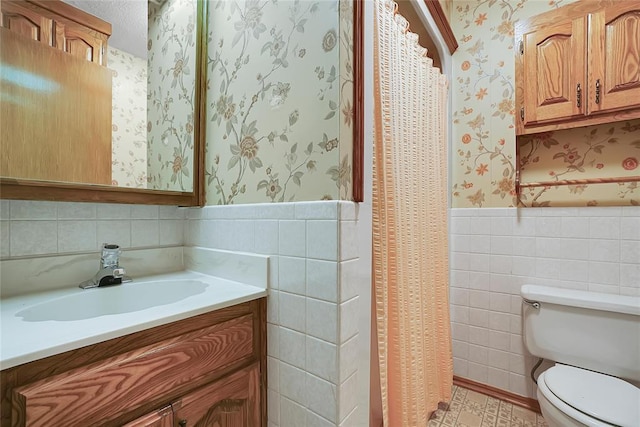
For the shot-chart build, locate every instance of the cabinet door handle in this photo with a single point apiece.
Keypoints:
(598, 91)
(182, 423)
(578, 96)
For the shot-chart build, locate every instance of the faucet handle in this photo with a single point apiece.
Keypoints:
(110, 256)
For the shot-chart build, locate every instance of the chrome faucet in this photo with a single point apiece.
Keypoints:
(110, 273)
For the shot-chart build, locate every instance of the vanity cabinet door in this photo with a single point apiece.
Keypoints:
(614, 66)
(161, 418)
(554, 72)
(230, 402)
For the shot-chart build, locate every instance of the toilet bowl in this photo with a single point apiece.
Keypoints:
(595, 340)
(570, 396)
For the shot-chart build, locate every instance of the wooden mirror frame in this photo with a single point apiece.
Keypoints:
(25, 189)
(358, 100)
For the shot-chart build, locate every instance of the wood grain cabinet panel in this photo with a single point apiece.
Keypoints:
(161, 418)
(578, 65)
(51, 106)
(56, 108)
(58, 25)
(615, 58)
(27, 22)
(80, 42)
(209, 370)
(230, 402)
(554, 72)
(127, 381)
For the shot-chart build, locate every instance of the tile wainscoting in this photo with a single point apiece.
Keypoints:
(315, 351)
(318, 314)
(496, 250)
(36, 228)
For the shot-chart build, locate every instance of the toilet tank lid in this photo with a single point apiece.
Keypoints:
(606, 398)
(583, 299)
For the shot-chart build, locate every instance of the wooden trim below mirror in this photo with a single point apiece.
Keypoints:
(25, 189)
(68, 192)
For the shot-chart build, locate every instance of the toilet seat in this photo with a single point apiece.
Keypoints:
(600, 397)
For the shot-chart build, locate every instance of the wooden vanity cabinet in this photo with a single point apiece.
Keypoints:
(230, 402)
(208, 370)
(58, 25)
(578, 65)
(160, 418)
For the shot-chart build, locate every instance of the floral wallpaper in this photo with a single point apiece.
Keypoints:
(171, 94)
(342, 173)
(597, 152)
(447, 6)
(483, 136)
(129, 119)
(279, 102)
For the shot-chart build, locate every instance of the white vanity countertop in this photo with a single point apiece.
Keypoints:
(29, 333)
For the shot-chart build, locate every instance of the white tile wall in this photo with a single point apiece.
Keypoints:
(29, 228)
(496, 250)
(314, 342)
(313, 310)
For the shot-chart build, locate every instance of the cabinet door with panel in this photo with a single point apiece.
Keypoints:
(578, 65)
(80, 42)
(230, 402)
(58, 25)
(614, 57)
(160, 418)
(26, 22)
(554, 71)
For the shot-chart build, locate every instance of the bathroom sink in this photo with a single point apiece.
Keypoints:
(119, 299)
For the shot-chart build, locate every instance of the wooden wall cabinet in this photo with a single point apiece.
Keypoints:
(209, 370)
(56, 103)
(578, 65)
(58, 25)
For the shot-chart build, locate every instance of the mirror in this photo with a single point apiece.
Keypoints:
(154, 55)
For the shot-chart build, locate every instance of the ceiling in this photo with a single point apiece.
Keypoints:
(128, 19)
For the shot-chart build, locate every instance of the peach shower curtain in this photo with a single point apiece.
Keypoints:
(410, 248)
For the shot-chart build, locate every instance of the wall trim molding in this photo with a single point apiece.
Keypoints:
(442, 22)
(507, 396)
(358, 101)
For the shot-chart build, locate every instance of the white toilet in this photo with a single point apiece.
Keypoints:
(594, 339)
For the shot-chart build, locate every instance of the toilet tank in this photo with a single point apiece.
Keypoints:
(595, 331)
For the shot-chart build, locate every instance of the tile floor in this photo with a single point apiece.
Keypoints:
(470, 409)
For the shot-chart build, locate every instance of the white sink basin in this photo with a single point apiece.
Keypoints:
(118, 299)
(41, 324)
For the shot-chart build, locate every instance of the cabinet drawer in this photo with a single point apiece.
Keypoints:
(103, 391)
